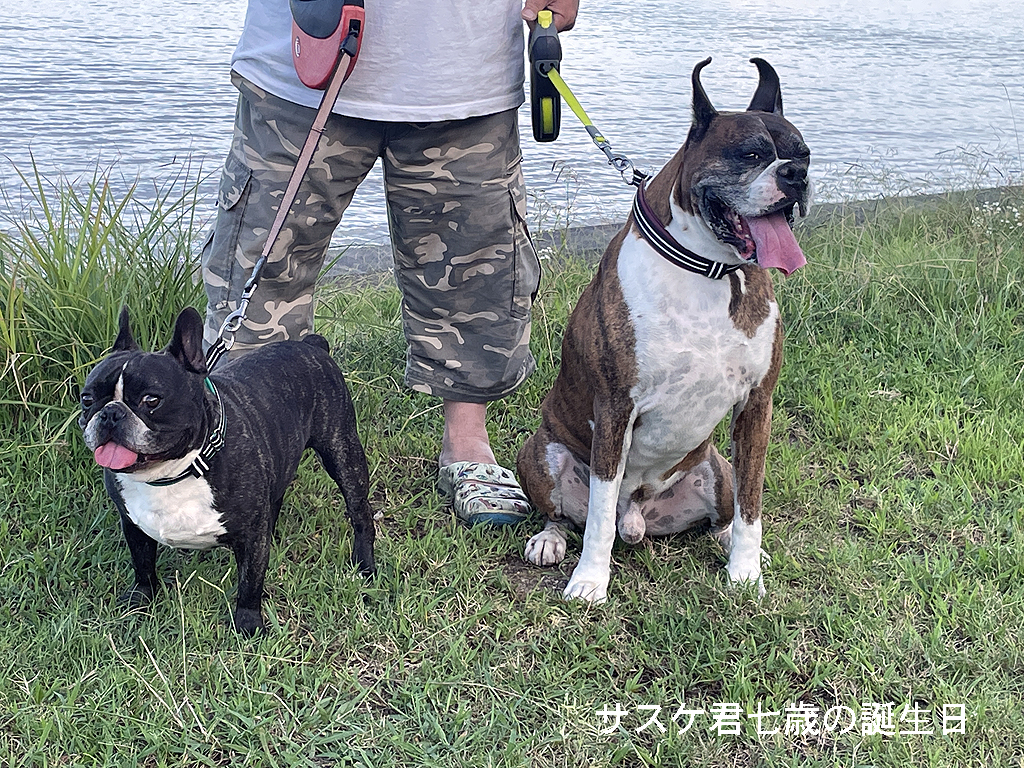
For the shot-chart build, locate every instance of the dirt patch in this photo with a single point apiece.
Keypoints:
(527, 578)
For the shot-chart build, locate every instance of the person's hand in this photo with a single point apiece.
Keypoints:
(564, 12)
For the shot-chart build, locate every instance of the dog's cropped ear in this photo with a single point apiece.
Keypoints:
(768, 96)
(124, 342)
(187, 343)
(703, 111)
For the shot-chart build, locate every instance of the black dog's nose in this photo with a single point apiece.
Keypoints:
(111, 414)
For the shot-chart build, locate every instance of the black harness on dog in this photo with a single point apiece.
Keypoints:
(213, 443)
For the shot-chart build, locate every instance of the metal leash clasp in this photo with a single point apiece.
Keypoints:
(230, 326)
(234, 320)
(629, 172)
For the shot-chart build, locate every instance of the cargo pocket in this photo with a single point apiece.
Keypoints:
(220, 265)
(526, 275)
(234, 186)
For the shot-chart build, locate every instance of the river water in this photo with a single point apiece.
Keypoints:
(891, 96)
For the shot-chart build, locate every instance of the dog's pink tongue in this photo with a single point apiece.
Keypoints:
(114, 456)
(776, 246)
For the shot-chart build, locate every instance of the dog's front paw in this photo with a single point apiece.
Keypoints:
(546, 548)
(249, 622)
(138, 597)
(592, 587)
(723, 536)
(362, 555)
(740, 577)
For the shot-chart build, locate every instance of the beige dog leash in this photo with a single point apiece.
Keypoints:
(349, 52)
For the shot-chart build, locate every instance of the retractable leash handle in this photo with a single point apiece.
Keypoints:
(545, 57)
(320, 31)
(326, 35)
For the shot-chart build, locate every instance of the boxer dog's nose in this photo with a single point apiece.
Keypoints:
(793, 178)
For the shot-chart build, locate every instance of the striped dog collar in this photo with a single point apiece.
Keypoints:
(659, 238)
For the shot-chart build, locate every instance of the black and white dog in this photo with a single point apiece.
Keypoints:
(195, 460)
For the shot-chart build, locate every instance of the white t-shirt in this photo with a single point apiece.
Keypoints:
(420, 61)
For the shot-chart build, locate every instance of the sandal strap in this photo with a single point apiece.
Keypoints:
(481, 492)
(467, 491)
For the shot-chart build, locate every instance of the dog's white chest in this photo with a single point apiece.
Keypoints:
(693, 363)
(180, 515)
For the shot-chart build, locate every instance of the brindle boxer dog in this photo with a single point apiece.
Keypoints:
(678, 328)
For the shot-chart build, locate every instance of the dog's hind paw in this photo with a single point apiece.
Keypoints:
(632, 525)
(248, 622)
(546, 548)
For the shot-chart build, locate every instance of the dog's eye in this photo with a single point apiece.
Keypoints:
(150, 401)
(87, 400)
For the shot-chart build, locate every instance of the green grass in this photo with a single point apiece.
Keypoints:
(66, 269)
(893, 521)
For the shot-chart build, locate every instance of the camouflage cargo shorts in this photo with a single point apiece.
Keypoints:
(464, 261)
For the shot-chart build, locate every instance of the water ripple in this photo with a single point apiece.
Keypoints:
(919, 94)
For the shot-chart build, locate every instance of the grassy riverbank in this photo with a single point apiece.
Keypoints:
(893, 521)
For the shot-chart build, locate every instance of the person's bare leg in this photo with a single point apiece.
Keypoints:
(465, 434)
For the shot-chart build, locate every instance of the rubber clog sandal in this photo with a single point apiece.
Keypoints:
(483, 493)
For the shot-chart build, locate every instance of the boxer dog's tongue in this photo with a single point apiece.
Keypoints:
(114, 456)
(776, 246)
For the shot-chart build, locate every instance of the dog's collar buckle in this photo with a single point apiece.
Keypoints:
(666, 246)
(213, 443)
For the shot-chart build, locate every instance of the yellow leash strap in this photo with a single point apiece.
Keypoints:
(573, 102)
(630, 173)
